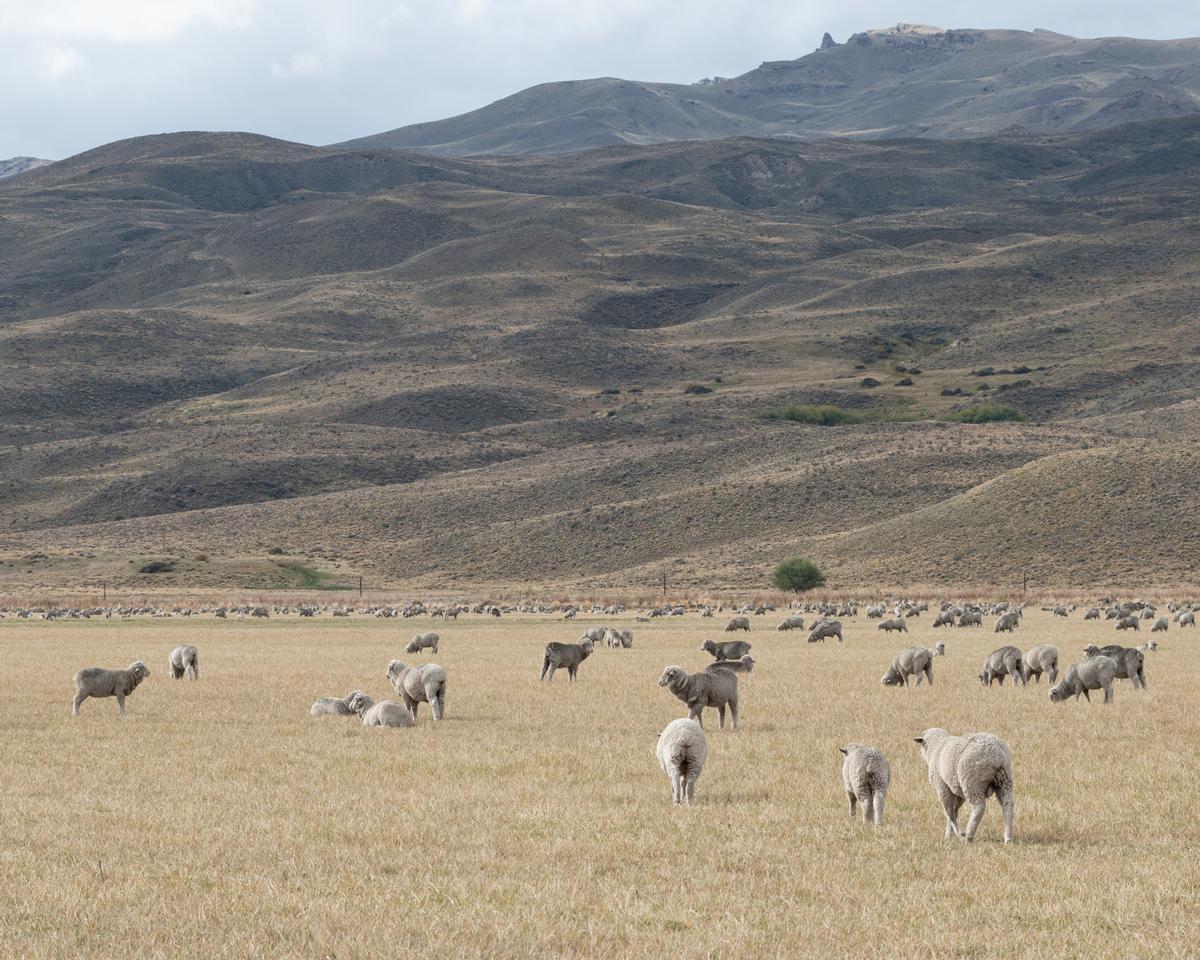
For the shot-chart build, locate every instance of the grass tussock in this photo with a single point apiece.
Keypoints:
(985, 413)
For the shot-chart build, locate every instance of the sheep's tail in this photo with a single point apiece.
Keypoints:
(1002, 782)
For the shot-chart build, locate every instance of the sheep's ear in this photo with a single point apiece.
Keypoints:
(841, 749)
(920, 740)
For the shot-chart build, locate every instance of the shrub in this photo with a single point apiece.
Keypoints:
(797, 575)
(984, 413)
(822, 415)
(157, 566)
(697, 388)
(276, 551)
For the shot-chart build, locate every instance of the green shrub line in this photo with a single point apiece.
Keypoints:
(984, 413)
(822, 415)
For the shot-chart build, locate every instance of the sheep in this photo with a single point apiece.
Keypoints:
(865, 776)
(915, 661)
(333, 707)
(1131, 662)
(98, 682)
(970, 618)
(569, 655)
(738, 623)
(1148, 645)
(1187, 619)
(385, 713)
(185, 659)
(681, 750)
(727, 649)
(1038, 660)
(896, 623)
(1160, 625)
(1092, 613)
(944, 619)
(1090, 673)
(791, 623)
(417, 685)
(825, 628)
(744, 665)
(716, 688)
(1008, 622)
(939, 649)
(423, 641)
(1001, 663)
(1128, 623)
(969, 768)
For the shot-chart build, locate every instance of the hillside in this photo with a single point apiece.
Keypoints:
(475, 374)
(906, 81)
(14, 165)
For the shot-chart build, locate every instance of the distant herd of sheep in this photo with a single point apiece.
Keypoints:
(962, 769)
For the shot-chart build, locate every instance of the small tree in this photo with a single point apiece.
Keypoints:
(797, 575)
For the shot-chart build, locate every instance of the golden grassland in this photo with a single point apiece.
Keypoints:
(219, 820)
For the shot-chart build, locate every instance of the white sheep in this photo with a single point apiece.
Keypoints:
(682, 749)
(865, 776)
(333, 706)
(417, 685)
(99, 682)
(385, 713)
(185, 659)
(969, 768)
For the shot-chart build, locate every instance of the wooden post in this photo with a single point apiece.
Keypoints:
(1024, 581)
(104, 588)
(664, 583)
(360, 588)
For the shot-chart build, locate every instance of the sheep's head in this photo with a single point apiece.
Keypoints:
(1059, 691)
(671, 676)
(587, 645)
(940, 649)
(892, 678)
(850, 748)
(359, 702)
(1091, 650)
(708, 647)
(928, 739)
(139, 669)
(394, 670)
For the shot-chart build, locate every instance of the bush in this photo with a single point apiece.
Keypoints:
(797, 575)
(984, 413)
(276, 552)
(822, 415)
(157, 566)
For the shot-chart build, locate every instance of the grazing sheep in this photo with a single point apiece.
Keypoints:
(385, 713)
(744, 665)
(569, 655)
(716, 688)
(1008, 622)
(1005, 662)
(1187, 619)
(423, 641)
(915, 661)
(896, 623)
(1092, 613)
(939, 649)
(726, 649)
(1160, 625)
(417, 685)
(969, 768)
(1090, 673)
(185, 659)
(791, 623)
(1128, 623)
(1131, 662)
(970, 618)
(98, 682)
(865, 776)
(825, 628)
(1038, 660)
(333, 707)
(738, 623)
(681, 750)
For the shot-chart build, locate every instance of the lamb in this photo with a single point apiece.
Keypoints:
(825, 628)
(1128, 623)
(99, 682)
(915, 661)
(1090, 673)
(1005, 662)
(969, 768)
(738, 623)
(417, 685)
(1038, 660)
(333, 707)
(385, 713)
(865, 776)
(423, 641)
(1131, 662)
(744, 665)
(569, 655)
(716, 688)
(185, 659)
(896, 623)
(682, 749)
(727, 649)
(1160, 625)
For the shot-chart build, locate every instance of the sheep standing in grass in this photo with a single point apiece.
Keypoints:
(969, 768)
(738, 623)
(423, 641)
(896, 623)
(681, 750)
(1128, 623)
(726, 649)
(417, 685)
(1005, 662)
(1090, 673)
(1008, 622)
(915, 661)
(569, 655)
(744, 665)
(825, 628)
(99, 682)
(970, 618)
(333, 707)
(185, 660)
(385, 713)
(715, 688)
(1131, 662)
(1160, 625)
(865, 776)
(1187, 619)
(1038, 660)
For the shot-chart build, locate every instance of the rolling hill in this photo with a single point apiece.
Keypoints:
(906, 81)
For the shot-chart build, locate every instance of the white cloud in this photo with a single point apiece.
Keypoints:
(298, 65)
(57, 61)
(122, 21)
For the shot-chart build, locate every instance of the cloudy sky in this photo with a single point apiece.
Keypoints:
(78, 73)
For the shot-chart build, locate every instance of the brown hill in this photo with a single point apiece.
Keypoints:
(463, 374)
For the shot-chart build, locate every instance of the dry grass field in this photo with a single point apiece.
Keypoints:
(219, 820)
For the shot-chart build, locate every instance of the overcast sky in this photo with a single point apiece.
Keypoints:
(78, 73)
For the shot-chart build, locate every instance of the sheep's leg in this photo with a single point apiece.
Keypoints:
(865, 800)
(120, 704)
(733, 709)
(1006, 804)
(80, 696)
(721, 715)
(545, 667)
(1108, 693)
(1086, 696)
(977, 807)
(697, 714)
(929, 674)
(950, 804)
(853, 804)
(878, 800)
(692, 776)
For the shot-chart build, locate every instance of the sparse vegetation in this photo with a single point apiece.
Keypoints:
(822, 415)
(985, 413)
(157, 566)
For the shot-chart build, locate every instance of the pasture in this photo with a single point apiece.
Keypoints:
(219, 820)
